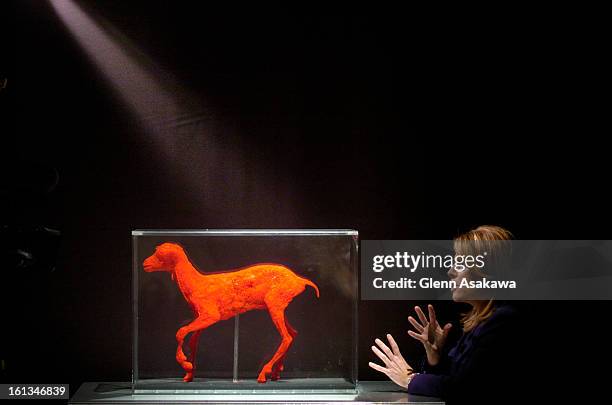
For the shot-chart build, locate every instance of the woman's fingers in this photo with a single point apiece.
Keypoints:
(384, 348)
(421, 316)
(381, 356)
(396, 375)
(432, 315)
(394, 345)
(378, 368)
(416, 325)
(447, 329)
(398, 359)
(418, 337)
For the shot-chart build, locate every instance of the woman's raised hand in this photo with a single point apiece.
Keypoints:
(396, 368)
(429, 333)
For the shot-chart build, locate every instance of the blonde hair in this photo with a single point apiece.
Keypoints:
(485, 238)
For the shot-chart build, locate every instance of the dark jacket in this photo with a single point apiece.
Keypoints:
(482, 365)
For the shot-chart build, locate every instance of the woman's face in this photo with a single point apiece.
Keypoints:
(463, 294)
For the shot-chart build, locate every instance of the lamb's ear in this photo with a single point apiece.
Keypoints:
(168, 256)
(171, 257)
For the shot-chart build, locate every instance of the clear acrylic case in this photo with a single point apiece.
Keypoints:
(258, 275)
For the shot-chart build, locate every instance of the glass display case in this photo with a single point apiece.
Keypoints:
(245, 311)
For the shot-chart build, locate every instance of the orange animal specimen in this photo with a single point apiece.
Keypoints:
(218, 296)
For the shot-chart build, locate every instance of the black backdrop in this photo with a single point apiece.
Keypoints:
(400, 126)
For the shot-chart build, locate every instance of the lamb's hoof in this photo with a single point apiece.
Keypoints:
(275, 376)
(188, 377)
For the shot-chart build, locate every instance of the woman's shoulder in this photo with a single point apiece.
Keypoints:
(504, 317)
(504, 311)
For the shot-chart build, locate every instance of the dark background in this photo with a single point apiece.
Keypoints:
(403, 126)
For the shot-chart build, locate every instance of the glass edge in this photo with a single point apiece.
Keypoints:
(245, 232)
(356, 270)
(134, 312)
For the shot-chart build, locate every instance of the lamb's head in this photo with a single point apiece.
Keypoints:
(165, 258)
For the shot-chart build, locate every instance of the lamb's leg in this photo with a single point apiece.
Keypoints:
(202, 322)
(278, 366)
(277, 313)
(193, 350)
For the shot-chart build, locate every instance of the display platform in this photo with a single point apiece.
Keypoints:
(369, 392)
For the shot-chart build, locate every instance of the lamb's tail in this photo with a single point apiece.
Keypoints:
(313, 285)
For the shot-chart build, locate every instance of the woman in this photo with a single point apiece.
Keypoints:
(484, 360)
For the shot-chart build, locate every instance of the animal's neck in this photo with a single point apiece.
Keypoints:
(185, 275)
